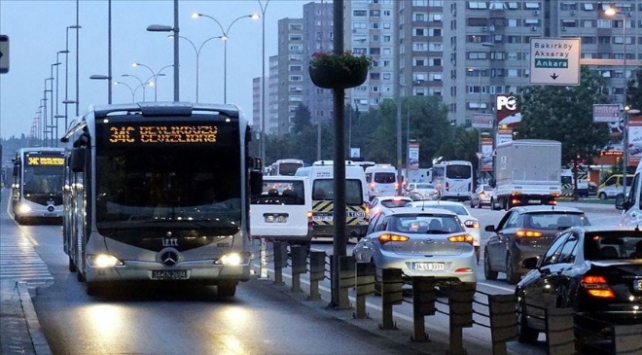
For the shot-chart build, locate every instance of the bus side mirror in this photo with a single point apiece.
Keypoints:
(77, 160)
(256, 182)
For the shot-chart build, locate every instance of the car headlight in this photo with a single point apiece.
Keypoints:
(102, 261)
(24, 208)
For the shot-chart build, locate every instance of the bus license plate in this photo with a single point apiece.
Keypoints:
(429, 266)
(637, 285)
(169, 274)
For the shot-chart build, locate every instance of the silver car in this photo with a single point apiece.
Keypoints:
(420, 242)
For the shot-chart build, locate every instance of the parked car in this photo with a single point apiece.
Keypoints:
(596, 271)
(383, 203)
(420, 242)
(481, 196)
(524, 232)
(418, 191)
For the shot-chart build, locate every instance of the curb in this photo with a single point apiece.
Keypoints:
(40, 345)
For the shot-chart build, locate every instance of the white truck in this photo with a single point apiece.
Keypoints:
(527, 172)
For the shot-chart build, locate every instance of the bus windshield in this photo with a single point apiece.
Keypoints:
(289, 168)
(459, 171)
(41, 182)
(188, 185)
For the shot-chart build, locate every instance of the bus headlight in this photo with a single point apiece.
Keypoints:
(24, 208)
(232, 259)
(102, 261)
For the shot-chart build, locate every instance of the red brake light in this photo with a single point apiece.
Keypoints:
(463, 238)
(528, 233)
(385, 238)
(597, 286)
(482, 193)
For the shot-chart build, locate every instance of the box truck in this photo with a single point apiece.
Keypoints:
(527, 172)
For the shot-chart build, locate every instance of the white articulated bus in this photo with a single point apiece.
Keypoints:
(453, 179)
(160, 192)
(37, 184)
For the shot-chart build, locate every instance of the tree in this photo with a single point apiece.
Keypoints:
(565, 114)
(301, 119)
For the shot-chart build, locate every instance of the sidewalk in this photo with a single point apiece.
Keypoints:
(20, 269)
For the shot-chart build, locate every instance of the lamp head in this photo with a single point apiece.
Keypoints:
(134, 64)
(255, 16)
(196, 15)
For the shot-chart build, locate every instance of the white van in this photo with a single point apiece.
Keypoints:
(382, 180)
(321, 175)
(281, 212)
(632, 202)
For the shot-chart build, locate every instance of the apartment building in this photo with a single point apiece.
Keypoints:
(468, 52)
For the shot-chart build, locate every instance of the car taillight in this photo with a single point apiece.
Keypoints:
(597, 286)
(482, 194)
(528, 233)
(463, 238)
(310, 219)
(471, 224)
(385, 238)
(367, 211)
(372, 185)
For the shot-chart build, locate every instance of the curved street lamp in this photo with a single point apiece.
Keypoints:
(225, 37)
(142, 84)
(198, 53)
(155, 75)
(612, 11)
(129, 87)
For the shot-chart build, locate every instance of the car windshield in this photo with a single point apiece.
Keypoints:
(613, 245)
(425, 186)
(394, 203)
(554, 221)
(426, 224)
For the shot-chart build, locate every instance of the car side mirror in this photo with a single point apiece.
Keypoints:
(256, 182)
(530, 263)
(621, 203)
(491, 183)
(489, 228)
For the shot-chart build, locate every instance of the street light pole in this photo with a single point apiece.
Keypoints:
(612, 11)
(263, 99)
(67, 101)
(140, 81)
(225, 37)
(197, 51)
(130, 89)
(154, 75)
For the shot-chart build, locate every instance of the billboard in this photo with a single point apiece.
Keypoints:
(606, 113)
(413, 155)
(483, 120)
(486, 154)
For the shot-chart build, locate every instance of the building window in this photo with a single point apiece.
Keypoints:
(295, 37)
(436, 17)
(419, 31)
(419, 17)
(375, 13)
(387, 76)
(531, 6)
(477, 5)
(387, 38)
(295, 27)
(359, 13)
(375, 76)
(295, 68)
(295, 77)
(512, 6)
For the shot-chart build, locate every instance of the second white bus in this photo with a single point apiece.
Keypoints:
(453, 179)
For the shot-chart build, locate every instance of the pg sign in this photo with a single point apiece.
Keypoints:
(4, 54)
(555, 61)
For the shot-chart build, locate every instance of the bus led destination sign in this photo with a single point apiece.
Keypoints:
(167, 134)
(40, 160)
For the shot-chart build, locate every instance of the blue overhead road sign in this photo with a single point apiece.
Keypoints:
(4, 54)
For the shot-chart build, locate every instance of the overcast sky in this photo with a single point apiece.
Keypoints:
(37, 31)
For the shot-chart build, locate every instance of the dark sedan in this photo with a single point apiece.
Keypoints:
(596, 271)
(523, 232)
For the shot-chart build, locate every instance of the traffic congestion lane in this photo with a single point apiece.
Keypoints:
(596, 213)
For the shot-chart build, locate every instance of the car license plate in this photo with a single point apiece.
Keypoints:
(49, 214)
(275, 219)
(322, 218)
(534, 201)
(169, 274)
(637, 285)
(429, 266)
